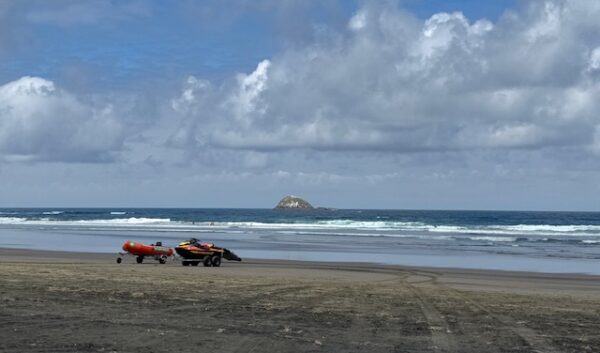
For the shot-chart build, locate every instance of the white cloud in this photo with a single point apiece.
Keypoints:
(594, 63)
(391, 82)
(41, 122)
(358, 21)
(467, 112)
(245, 103)
(548, 24)
(518, 135)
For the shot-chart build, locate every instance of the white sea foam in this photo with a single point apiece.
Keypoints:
(125, 221)
(553, 228)
(493, 239)
(332, 224)
(53, 212)
(494, 233)
(12, 220)
(498, 233)
(524, 230)
(95, 222)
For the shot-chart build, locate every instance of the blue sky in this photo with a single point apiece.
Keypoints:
(387, 104)
(178, 38)
(166, 38)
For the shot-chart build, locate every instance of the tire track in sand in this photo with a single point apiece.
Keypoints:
(534, 340)
(441, 336)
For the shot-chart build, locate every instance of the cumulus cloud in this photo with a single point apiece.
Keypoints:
(392, 82)
(42, 122)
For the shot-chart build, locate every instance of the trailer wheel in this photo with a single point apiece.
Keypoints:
(195, 263)
(185, 263)
(162, 260)
(216, 260)
(139, 259)
(119, 260)
(207, 262)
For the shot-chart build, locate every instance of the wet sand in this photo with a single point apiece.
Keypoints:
(77, 302)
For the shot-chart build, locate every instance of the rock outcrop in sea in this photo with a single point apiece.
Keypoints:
(293, 202)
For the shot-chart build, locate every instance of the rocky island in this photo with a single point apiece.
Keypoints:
(293, 202)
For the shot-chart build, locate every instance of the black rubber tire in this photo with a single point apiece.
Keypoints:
(139, 259)
(185, 263)
(215, 260)
(195, 263)
(119, 260)
(162, 261)
(207, 262)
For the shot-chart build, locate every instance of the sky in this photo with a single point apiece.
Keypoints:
(414, 104)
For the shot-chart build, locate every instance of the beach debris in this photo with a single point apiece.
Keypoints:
(318, 343)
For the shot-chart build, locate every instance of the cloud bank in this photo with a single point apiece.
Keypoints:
(41, 122)
(391, 82)
(379, 109)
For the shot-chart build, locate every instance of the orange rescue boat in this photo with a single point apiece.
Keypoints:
(157, 251)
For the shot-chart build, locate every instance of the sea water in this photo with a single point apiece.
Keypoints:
(526, 241)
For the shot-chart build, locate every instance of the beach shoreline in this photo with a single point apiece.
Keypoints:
(86, 302)
(506, 241)
(19, 255)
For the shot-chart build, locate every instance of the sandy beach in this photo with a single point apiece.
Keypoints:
(79, 302)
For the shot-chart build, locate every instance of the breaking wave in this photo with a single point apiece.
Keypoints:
(500, 230)
(93, 222)
(586, 234)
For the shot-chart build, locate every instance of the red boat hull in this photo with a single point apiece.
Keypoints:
(141, 249)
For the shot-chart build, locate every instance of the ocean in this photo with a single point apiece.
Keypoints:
(520, 241)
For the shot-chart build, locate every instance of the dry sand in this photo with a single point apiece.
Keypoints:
(75, 302)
